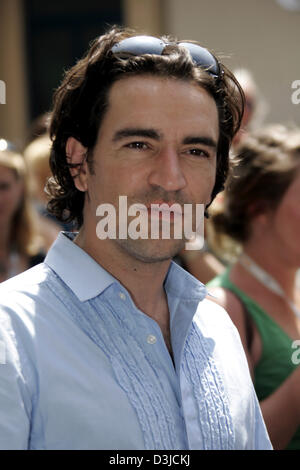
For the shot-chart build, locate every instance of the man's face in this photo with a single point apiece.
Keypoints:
(157, 143)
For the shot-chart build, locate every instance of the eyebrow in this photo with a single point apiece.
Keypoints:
(193, 140)
(153, 134)
(136, 132)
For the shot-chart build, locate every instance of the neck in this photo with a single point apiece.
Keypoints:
(275, 266)
(144, 281)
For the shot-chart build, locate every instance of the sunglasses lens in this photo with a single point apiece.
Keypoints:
(202, 57)
(139, 45)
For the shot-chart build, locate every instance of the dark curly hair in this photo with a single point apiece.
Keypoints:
(81, 102)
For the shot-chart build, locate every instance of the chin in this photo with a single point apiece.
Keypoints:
(151, 251)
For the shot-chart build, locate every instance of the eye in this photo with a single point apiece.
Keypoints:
(137, 145)
(4, 186)
(198, 152)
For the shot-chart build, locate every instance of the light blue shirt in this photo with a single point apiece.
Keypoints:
(84, 368)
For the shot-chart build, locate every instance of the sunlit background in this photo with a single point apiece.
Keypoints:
(40, 39)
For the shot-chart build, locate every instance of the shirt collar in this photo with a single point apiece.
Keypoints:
(180, 283)
(79, 271)
(87, 279)
(185, 294)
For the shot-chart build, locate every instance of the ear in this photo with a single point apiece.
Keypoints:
(76, 156)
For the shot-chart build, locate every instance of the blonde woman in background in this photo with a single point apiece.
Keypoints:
(37, 155)
(21, 244)
(261, 213)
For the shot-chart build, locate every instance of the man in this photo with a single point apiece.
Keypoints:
(110, 345)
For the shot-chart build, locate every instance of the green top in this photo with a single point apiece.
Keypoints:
(275, 364)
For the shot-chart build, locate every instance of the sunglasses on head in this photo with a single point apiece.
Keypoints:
(140, 45)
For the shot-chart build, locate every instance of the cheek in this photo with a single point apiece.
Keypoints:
(294, 213)
(108, 184)
(287, 222)
(128, 179)
(11, 199)
(202, 182)
(292, 221)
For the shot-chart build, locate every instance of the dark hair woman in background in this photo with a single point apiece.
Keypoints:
(261, 212)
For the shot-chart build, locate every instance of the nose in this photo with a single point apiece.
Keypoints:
(167, 172)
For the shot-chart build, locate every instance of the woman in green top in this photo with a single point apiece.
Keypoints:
(262, 212)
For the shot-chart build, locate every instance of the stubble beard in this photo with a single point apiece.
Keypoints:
(150, 251)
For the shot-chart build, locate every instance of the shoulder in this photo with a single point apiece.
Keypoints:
(225, 298)
(215, 339)
(19, 308)
(31, 318)
(221, 338)
(36, 259)
(27, 281)
(214, 315)
(21, 295)
(216, 326)
(213, 321)
(224, 319)
(240, 317)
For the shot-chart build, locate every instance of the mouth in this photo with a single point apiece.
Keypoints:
(164, 210)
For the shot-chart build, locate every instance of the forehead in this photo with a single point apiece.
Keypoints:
(167, 104)
(7, 173)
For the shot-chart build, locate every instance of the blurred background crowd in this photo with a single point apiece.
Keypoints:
(251, 256)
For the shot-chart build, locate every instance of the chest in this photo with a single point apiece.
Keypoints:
(274, 328)
(106, 385)
(280, 312)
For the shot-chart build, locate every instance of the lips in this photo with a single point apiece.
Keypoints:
(165, 207)
(162, 210)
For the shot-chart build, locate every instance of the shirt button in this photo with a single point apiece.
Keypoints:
(151, 339)
(122, 295)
